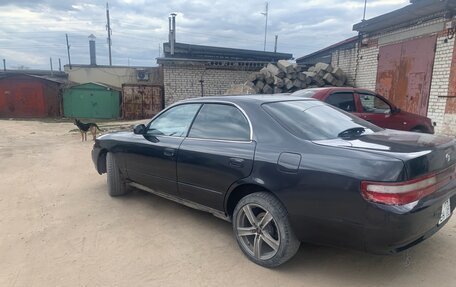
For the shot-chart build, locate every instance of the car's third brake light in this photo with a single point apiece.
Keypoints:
(399, 193)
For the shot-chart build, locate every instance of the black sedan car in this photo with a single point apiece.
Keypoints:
(285, 169)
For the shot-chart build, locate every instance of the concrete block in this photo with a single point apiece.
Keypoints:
(267, 89)
(285, 66)
(329, 79)
(259, 84)
(278, 82)
(277, 90)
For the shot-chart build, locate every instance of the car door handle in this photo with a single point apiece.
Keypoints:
(236, 162)
(169, 152)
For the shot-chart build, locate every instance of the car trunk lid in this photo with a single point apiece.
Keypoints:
(421, 153)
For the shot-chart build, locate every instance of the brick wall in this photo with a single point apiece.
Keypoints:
(440, 84)
(182, 82)
(449, 119)
(346, 60)
(366, 72)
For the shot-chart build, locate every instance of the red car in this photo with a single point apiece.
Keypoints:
(371, 107)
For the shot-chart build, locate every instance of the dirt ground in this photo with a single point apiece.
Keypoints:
(58, 227)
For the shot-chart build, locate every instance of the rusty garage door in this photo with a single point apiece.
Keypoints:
(141, 101)
(404, 73)
(29, 96)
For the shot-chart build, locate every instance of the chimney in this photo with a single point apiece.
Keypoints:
(172, 32)
(93, 56)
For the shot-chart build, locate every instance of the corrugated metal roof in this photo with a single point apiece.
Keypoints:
(48, 73)
(107, 66)
(345, 42)
(189, 51)
(47, 78)
(415, 11)
(107, 86)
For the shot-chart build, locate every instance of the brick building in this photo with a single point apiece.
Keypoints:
(195, 70)
(342, 54)
(408, 56)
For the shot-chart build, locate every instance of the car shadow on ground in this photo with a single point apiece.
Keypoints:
(312, 259)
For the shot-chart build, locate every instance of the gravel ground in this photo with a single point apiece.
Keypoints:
(58, 227)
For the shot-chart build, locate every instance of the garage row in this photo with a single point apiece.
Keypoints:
(24, 96)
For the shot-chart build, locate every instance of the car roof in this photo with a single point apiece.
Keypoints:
(239, 99)
(339, 89)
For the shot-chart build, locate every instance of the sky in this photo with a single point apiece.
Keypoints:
(33, 31)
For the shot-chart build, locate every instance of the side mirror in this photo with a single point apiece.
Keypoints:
(140, 129)
(396, 110)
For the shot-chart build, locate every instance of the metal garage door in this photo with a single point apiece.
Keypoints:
(141, 101)
(404, 73)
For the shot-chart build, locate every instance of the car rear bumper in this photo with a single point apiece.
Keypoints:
(401, 228)
(379, 229)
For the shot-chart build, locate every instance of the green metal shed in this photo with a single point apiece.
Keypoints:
(92, 100)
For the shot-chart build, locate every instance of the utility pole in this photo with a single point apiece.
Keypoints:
(4, 65)
(60, 65)
(265, 13)
(108, 28)
(364, 14)
(68, 50)
(275, 43)
(52, 70)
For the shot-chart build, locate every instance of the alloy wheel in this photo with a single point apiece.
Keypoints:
(257, 231)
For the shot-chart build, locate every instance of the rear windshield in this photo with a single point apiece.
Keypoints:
(315, 120)
(306, 93)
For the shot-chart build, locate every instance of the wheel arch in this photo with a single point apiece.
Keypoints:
(419, 128)
(241, 190)
(101, 161)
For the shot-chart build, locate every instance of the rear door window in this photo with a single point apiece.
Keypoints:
(344, 101)
(220, 122)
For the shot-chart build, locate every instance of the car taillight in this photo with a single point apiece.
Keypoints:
(399, 193)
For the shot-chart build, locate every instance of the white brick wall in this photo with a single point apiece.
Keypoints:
(440, 84)
(346, 60)
(366, 75)
(449, 125)
(182, 82)
(406, 33)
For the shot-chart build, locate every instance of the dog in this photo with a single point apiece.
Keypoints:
(84, 128)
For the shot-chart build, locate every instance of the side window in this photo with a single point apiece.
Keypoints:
(175, 121)
(219, 121)
(373, 104)
(344, 101)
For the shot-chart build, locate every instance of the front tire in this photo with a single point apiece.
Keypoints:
(263, 231)
(116, 182)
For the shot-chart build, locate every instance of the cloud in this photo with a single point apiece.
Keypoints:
(33, 31)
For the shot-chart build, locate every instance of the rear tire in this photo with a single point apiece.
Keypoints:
(116, 182)
(263, 231)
